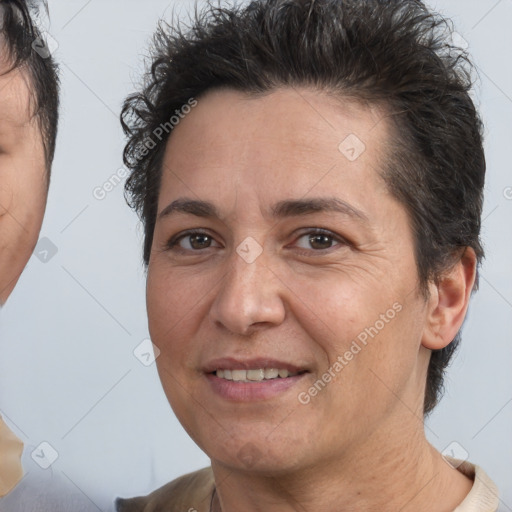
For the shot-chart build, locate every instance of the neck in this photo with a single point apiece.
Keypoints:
(407, 475)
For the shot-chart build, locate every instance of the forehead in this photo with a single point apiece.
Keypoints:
(289, 143)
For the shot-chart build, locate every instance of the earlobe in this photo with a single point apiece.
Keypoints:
(449, 302)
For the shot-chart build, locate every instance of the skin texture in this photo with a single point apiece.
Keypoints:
(359, 444)
(23, 177)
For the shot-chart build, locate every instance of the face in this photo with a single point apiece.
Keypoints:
(277, 252)
(23, 177)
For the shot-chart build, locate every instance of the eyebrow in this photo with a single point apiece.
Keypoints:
(282, 209)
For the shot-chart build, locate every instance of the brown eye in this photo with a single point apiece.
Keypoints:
(199, 241)
(318, 240)
(192, 241)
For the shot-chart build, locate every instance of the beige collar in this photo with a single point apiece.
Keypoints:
(484, 495)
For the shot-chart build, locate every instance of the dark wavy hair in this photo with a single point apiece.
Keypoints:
(17, 34)
(395, 53)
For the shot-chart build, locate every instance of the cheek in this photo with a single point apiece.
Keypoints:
(379, 363)
(334, 308)
(176, 307)
(167, 303)
(171, 308)
(365, 337)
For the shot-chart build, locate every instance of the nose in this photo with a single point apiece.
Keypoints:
(250, 297)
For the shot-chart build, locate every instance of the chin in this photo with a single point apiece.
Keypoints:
(253, 454)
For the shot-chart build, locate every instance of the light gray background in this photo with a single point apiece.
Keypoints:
(68, 375)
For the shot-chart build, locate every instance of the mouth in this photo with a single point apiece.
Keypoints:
(255, 374)
(252, 380)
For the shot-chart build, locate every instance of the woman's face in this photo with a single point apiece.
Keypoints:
(278, 248)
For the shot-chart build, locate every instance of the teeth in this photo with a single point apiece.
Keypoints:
(271, 373)
(239, 375)
(254, 375)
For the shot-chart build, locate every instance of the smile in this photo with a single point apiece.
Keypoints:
(254, 375)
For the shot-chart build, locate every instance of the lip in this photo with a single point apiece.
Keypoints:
(230, 363)
(236, 391)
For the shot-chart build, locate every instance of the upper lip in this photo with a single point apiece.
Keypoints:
(230, 363)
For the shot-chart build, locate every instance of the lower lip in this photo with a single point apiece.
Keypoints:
(251, 391)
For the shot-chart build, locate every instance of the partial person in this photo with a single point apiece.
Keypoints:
(29, 111)
(29, 103)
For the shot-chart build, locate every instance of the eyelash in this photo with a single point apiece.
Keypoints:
(172, 244)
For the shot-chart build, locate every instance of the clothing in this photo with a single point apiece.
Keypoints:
(46, 492)
(38, 490)
(193, 492)
(26, 487)
(187, 493)
(483, 496)
(11, 448)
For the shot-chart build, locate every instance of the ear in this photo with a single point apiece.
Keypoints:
(449, 302)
